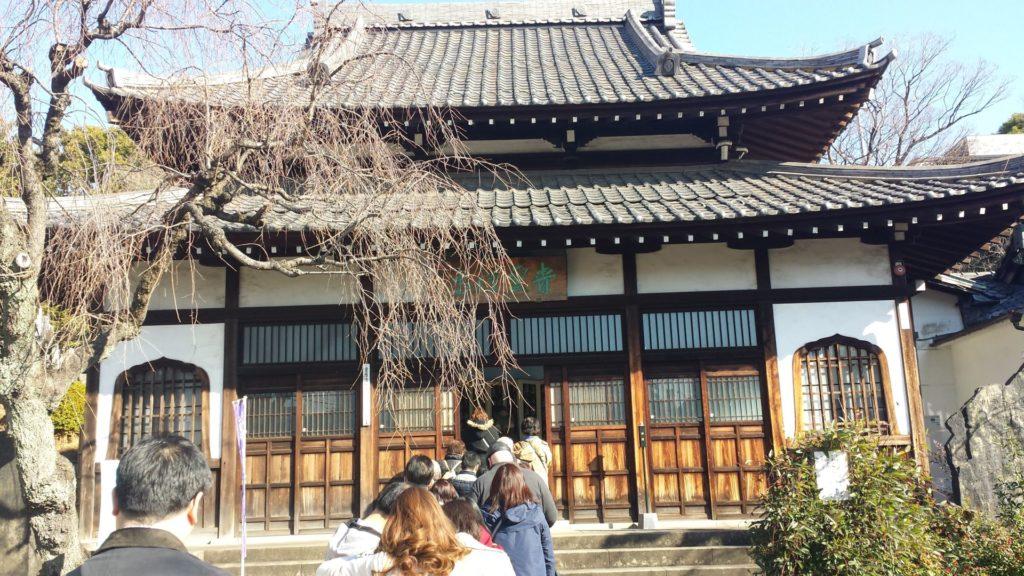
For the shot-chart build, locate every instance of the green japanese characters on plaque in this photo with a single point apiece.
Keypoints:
(540, 279)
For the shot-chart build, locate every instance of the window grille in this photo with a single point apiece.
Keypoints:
(328, 413)
(270, 415)
(566, 334)
(413, 411)
(161, 399)
(735, 398)
(675, 400)
(299, 343)
(555, 390)
(597, 402)
(843, 380)
(699, 329)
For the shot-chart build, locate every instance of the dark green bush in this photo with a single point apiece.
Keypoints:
(890, 525)
(69, 416)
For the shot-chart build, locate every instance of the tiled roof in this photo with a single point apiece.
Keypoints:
(739, 191)
(618, 57)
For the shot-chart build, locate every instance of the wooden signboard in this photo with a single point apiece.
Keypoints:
(540, 278)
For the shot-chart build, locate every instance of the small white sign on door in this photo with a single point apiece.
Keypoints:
(832, 470)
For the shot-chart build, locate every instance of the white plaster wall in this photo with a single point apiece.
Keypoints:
(593, 274)
(268, 288)
(186, 286)
(198, 344)
(695, 268)
(936, 313)
(988, 356)
(871, 321)
(938, 397)
(829, 262)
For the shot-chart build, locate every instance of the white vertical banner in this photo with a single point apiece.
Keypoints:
(239, 407)
(364, 394)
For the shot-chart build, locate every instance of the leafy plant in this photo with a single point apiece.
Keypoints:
(69, 416)
(882, 529)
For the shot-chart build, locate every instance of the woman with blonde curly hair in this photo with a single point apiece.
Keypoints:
(419, 540)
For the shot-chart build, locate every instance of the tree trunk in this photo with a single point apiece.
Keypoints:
(48, 483)
(47, 478)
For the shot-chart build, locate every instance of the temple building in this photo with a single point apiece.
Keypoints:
(702, 288)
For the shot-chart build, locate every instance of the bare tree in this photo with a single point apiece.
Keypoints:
(920, 108)
(393, 230)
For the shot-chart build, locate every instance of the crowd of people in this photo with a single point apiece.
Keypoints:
(485, 506)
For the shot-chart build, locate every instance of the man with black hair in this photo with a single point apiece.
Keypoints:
(419, 470)
(160, 483)
(468, 470)
(361, 536)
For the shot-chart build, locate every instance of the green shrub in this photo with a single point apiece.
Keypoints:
(69, 416)
(882, 529)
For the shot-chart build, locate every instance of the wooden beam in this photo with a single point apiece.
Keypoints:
(230, 463)
(87, 497)
(766, 320)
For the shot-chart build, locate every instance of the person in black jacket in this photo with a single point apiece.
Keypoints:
(482, 433)
(452, 462)
(160, 482)
(463, 481)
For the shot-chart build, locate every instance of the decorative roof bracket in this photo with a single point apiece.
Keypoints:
(664, 60)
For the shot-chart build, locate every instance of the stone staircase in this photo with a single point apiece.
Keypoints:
(598, 553)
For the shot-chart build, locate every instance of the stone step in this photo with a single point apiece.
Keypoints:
(273, 568)
(604, 540)
(747, 570)
(309, 569)
(303, 553)
(576, 541)
(652, 557)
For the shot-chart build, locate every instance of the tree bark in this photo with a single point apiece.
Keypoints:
(47, 478)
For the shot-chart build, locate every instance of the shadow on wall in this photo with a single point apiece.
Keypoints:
(17, 555)
(987, 436)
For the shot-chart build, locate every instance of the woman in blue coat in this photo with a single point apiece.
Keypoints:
(517, 523)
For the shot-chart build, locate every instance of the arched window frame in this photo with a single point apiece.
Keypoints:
(114, 442)
(838, 339)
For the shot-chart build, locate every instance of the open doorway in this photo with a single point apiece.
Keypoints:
(525, 397)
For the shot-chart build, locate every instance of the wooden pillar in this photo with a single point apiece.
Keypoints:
(368, 442)
(87, 497)
(766, 323)
(637, 388)
(908, 348)
(227, 524)
(912, 378)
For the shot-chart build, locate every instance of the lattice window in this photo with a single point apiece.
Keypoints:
(735, 398)
(161, 398)
(675, 400)
(566, 334)
(270, 415)
(597, 402)
(555, 391)
(841, 380)
(328, 413)
(413, 410)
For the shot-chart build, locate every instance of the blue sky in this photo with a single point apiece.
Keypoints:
(982, 29)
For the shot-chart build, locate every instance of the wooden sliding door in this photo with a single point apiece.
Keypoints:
(591, 473)
(301, 456)
(414, 421)
(707, 440)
